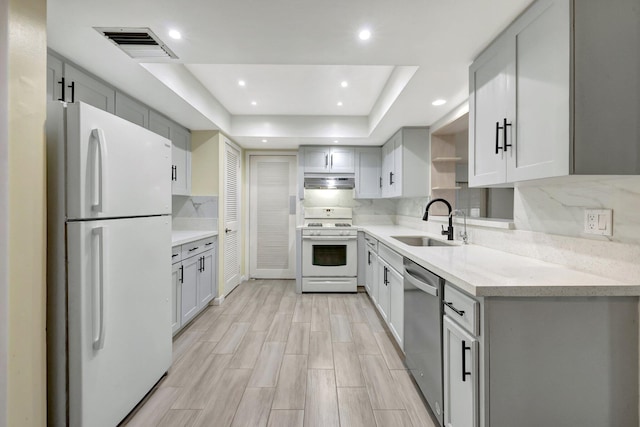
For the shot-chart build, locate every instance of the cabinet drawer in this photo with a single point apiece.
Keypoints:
(197, 247)
(462, 309)
(392, 258)
(371, 243)
(176, 254)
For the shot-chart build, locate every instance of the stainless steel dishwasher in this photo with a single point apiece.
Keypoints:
(423, 332)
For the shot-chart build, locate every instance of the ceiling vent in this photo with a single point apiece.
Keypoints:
(137, 42)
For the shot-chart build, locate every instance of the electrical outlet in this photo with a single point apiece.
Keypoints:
(598, 221)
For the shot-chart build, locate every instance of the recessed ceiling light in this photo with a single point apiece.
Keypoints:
(175, 34)
(364, 34)
(344, 83)
(264, 140)
(438, 102)
(254, 103)
(340, 104)
(335, 142)
(241, 83)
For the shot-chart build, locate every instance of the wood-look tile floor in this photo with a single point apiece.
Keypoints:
(270, 357)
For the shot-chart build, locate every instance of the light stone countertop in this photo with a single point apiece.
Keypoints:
(180, 237)
(486, 272)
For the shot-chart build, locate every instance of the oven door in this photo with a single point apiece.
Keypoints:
(329, 256)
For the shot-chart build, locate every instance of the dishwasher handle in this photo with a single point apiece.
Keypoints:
(423, 286)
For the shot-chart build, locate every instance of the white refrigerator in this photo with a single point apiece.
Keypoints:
(109, 269)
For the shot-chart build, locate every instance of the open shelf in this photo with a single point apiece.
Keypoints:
(446, 159)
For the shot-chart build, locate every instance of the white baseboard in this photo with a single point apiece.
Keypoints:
(217, 301)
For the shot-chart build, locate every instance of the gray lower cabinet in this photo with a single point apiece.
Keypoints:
(176, 301)
(540, 361)
(460, 354)
(193, 281)
(390, 291)
(189, 288)
(384, 293)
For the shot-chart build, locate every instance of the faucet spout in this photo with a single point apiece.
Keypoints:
(425, 217)
(463, 234)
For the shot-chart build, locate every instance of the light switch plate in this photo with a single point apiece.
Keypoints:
(598, 221)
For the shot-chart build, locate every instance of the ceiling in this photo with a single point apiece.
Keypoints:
(293, 56)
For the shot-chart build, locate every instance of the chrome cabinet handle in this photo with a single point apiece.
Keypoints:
(193, 249)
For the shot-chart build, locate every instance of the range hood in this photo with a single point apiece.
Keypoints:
(342, 182)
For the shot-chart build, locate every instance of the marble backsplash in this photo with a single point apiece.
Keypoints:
(556, 206)
(365, 211)
(194, 212)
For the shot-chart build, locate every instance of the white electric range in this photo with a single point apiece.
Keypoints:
(329, 251)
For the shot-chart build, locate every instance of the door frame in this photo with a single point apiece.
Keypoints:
(4, 203)
(222, 215)
(247, 198)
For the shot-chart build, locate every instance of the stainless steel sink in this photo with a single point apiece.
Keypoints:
(421, 241)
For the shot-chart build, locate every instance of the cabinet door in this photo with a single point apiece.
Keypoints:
(391, 153)
(206, 279)
(132, 110)
(368, 175)
(384, 293)
(89, 90)
(316, 159)
(460, 352)
(387, 167)
(181, 155)
(398, 167)
(489, 105)
(371, 267)
(159, 124)
(54, 76)
(396, 305)
(342, 160)
(542, 39)
(175, 297)
(189, 292)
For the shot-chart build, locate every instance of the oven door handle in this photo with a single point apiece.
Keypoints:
(330, 238)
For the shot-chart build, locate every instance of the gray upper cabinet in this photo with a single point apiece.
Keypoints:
(132, 110)
(329, 159)
(54, 78)
(368, 173)
(406, 164)
(180, 151)
(532, 115)
(89, 90)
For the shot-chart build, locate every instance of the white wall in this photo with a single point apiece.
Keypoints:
(4, 202)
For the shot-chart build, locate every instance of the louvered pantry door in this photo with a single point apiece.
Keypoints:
(231, 202)
(272, 217)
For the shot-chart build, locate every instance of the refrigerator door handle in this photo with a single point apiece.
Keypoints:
(98, 202)
(98, 343)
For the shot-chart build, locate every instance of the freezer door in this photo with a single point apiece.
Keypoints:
(119, 315)
(114, 168)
